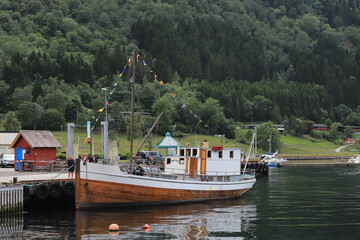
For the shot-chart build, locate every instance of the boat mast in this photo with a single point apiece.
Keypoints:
(132, 81)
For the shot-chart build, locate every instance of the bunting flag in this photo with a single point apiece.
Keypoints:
(155, 76)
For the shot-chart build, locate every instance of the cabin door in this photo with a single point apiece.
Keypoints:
(203, 161)
(18, 158)
(193, 167)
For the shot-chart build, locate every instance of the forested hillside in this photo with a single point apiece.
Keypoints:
(225, 60)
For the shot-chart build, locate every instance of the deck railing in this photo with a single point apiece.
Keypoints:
(195, 175)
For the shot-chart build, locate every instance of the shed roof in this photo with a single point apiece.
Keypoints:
(167, 142)
(36, 139)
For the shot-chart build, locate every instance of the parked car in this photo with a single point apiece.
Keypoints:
(149, 157)
(7, 159)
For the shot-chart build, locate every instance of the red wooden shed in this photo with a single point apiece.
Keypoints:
(34, 146)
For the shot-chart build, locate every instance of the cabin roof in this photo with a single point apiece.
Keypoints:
(37, 139)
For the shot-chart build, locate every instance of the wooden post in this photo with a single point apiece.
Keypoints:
(77, 183)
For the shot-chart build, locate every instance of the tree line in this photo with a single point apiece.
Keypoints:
(237, 60)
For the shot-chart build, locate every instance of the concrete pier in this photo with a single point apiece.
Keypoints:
(11, 199)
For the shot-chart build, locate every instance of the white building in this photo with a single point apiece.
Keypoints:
(6, 139)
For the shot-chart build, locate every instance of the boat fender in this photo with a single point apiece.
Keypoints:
(69, 188)
(27, 193)
(42, 191)
(55, 189)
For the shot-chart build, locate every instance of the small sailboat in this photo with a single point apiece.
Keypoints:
(354, 160)
(193, 174)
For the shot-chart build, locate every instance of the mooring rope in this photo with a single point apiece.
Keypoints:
(48, 180)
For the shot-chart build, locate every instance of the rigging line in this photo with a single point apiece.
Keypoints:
(156, 77)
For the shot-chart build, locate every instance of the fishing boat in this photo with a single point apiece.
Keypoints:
(193, 174)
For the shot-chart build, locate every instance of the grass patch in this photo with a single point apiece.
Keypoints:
(290, 144)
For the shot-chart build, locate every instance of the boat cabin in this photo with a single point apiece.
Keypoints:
(213, 161)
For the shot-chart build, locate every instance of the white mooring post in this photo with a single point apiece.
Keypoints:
(11, 199)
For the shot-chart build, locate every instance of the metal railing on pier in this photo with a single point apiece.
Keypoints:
(11, 199)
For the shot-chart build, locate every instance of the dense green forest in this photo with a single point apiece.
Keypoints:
(226, 61)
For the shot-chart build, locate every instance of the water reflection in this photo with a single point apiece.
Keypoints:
(11, 225)
(230, 218)
(292, 203)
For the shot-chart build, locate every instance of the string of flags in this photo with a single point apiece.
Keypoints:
(173, 94)
(156, 78)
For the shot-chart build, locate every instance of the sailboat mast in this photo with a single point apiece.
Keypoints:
(132, 80)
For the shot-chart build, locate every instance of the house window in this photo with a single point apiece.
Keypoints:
(168, 160)
(28, 151)
(194, 152)
(182, 152)
(181, 161)
(231, 154)
(209, 154)
(220, 154)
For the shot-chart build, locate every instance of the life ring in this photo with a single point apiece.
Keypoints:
(55, 190)
(42, 191)
(69, 188)
(26, 193)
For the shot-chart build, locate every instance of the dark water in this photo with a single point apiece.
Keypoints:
(292, 203)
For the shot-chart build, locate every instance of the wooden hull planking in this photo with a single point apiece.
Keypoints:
(98, 193)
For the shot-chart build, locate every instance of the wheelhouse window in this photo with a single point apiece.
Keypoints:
(28, 151)
(195, 152)
(209, 154)
(188, 152)
(231, 154)
(182, 152)
(220, 154)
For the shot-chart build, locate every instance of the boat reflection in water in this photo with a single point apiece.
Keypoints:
(230, 218)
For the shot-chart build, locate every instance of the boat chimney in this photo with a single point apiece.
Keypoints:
(205, 144)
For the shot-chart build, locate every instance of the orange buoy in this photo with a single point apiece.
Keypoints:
(146, 227)
(114, 227)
